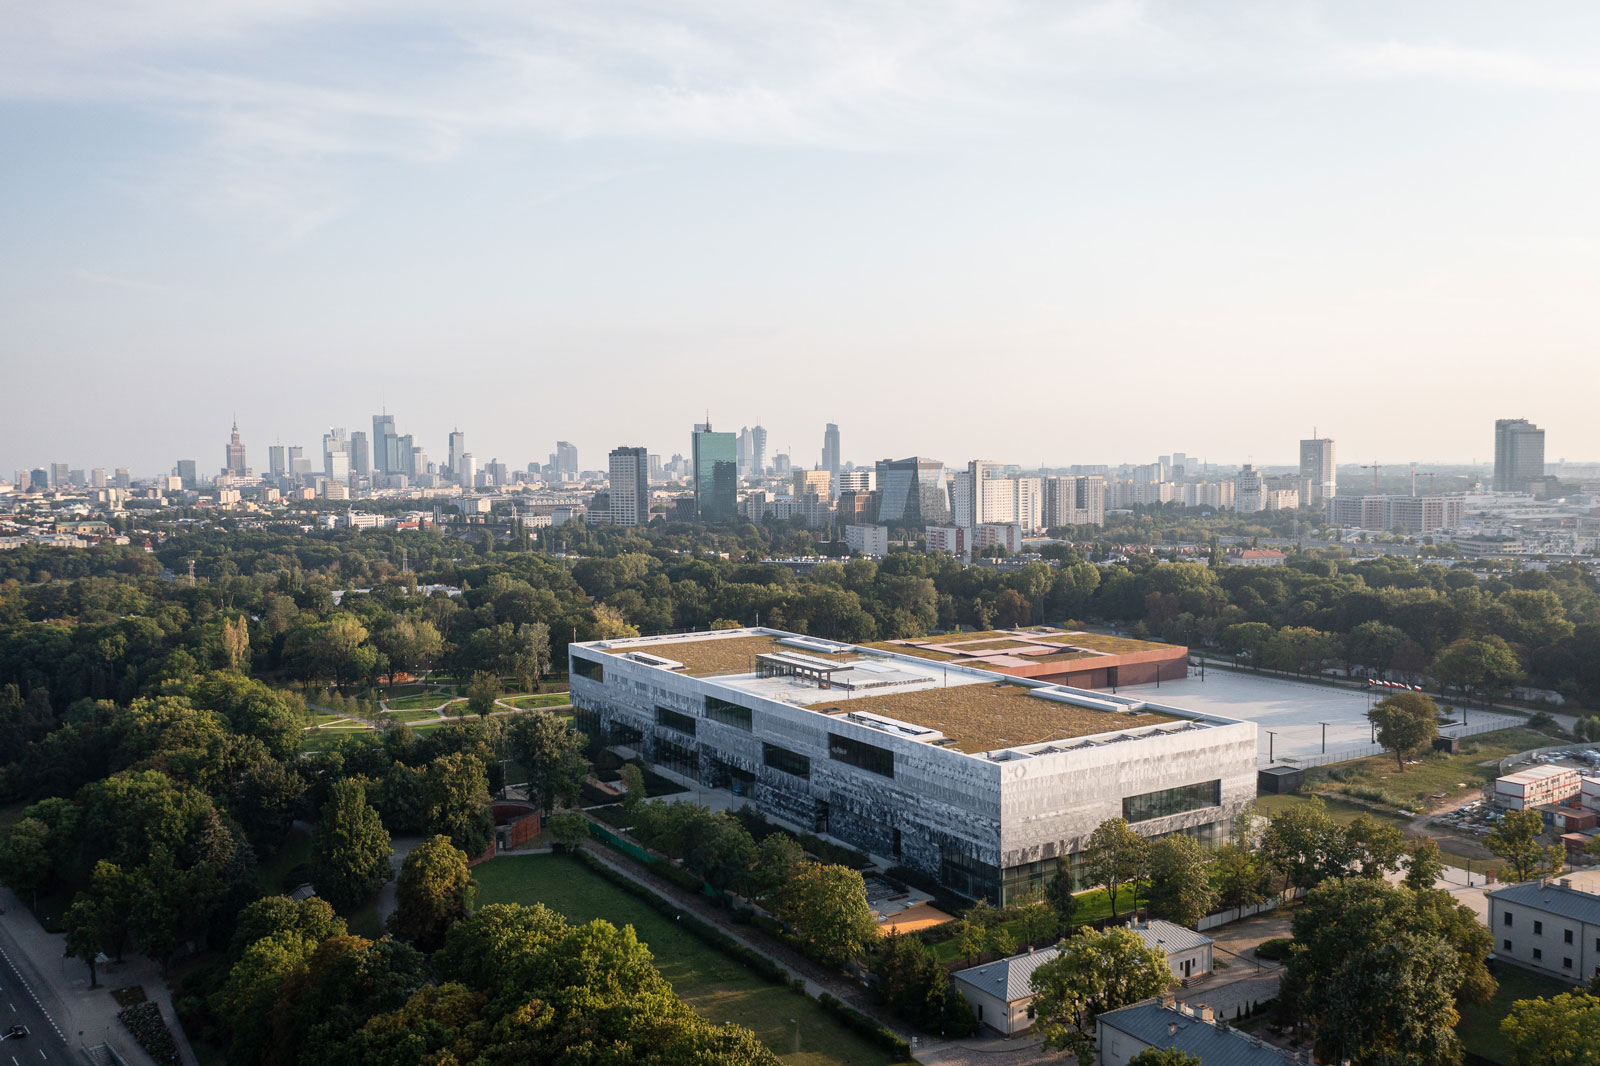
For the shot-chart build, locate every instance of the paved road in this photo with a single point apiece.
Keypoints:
(19, 1005)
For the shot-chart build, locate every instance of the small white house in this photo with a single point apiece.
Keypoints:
(1001, 992)
(1188, 952)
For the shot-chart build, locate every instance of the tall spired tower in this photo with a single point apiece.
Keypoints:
(235, 464)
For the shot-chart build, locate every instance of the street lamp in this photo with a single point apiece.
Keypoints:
(1271, 738)
(1324, 726)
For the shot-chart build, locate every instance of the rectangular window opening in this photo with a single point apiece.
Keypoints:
(1172, 801)
(682, 723)
(856, 753)
(785, 761)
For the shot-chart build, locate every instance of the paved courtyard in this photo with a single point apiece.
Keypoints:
(1294, 711)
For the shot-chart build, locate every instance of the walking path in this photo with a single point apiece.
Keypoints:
(85, 1016)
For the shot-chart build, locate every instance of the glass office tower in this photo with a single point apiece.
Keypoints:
(716, 475)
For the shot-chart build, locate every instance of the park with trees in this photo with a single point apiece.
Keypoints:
(164, 771)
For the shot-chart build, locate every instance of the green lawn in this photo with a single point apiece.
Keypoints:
(543, 699)
(1455, 775)
(716, 986)
(426, 702)
(411, 716)
(1479, 1028)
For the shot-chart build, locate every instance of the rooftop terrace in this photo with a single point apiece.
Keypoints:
(708, 656)
(1004, 648)
(985, 717)
(974, 713)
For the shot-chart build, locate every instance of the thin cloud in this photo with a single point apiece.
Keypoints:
(1398, 59)
(97, 278)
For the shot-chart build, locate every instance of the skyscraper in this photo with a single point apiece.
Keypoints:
(360, 455)
(716, 475)
(336, 455)
(912, 492)
(566, 458)
(277, 460)
(758, 450)
(60, 475)
(385, 448)
(1518, 454)
(235, 464)
(630, 486)
(187, 473)
(830, 451)
(1316, 466)
(458, 448)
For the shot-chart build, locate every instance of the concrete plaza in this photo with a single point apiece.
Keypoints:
(1290, 714)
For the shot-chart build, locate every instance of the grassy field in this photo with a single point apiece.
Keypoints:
(424, 702)
(411, 716)
(716, 986)
(1479, 1028)
(543, 699)
(1457, 776)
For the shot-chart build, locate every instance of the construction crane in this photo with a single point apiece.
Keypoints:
(1431, 485)
(1374, 467)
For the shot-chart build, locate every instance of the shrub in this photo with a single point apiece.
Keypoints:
(1275, 950)
(853, 1019)
(144, 1022)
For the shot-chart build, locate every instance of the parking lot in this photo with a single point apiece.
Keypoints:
(1291, 714)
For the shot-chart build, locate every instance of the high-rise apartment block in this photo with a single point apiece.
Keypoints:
(1414, 514)
(630, 486)
(716, 475)
(1317, 467)
(1074, 501)
(1518, 454)
(1250, 490)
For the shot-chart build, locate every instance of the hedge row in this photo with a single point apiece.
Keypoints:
(144, 1022)
(769, 971)
(853, 1019)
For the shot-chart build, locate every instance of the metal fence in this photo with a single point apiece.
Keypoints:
(1362, 751)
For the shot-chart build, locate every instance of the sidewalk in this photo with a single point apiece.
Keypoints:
(85, 1016)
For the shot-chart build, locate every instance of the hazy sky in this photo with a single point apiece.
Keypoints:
(1035, 232)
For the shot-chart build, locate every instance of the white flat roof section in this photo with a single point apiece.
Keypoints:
(1294, 710)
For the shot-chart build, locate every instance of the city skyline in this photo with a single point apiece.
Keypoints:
(1214, 209)
(591, 455)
